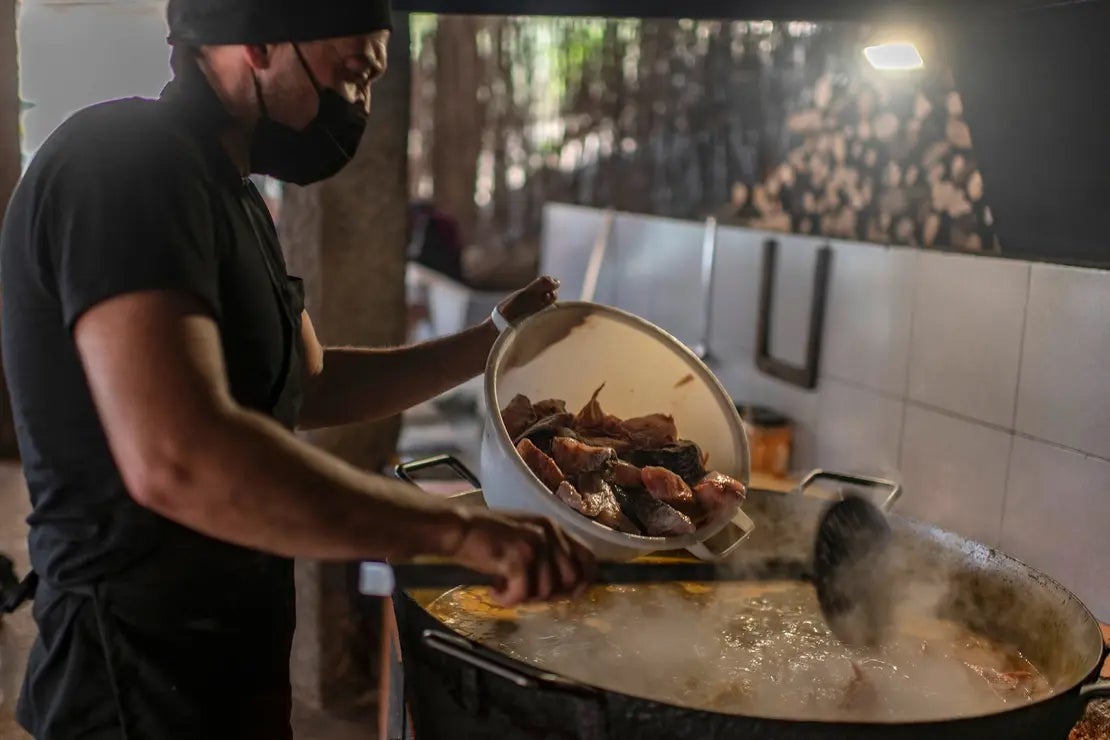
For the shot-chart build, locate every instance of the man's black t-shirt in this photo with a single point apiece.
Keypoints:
(131, 195)
(146, 628)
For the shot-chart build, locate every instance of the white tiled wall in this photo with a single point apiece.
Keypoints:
(569, 233)
(965, 343)
(659, 263)
(1066, 372)
(867, 319)
(793, 297)
(858, 431)
(1056, 517)
(954, 473)
(983, 384)
(736, 293)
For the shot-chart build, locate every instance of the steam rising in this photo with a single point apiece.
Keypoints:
(754, 649)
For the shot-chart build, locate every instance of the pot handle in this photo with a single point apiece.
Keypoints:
(1094, 691)
(721, 544)
(404, 471)
(891, 490)
(1100, 689)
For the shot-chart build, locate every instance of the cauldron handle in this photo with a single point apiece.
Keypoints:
(589, 703)
(1096, 690)
(404, 471)
(891, 489)
(1099, 689)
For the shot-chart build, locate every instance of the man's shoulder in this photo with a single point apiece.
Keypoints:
(115, 142)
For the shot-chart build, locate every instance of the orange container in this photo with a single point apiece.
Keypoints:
(770, 439)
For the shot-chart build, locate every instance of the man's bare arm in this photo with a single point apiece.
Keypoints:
(354, 384)
(187, 451)
(360, 384)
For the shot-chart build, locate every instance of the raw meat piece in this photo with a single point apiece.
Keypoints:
(518, 416)
(654, 517)
(624, 474)
(654, 430)
(717, 490)
(540, 464)
(683, 458)
(591, 420)
(570, 496)
(600, 499)
(668, 488)
(619, 446)
(543, 431)
(574, 457)
(550, 407)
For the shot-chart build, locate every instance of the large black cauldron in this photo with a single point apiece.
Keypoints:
(457, 689)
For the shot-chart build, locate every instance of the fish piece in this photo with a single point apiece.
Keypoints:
(717, 490)
(619, 446)
(1004, 683)
(624, 474)
(684, 458)
(600, 499)
(574, 457)
(654, 517)
(651, 431)
(570, 496)
(593, 421)
(668, 487)
(543, 431)
(550, 407)
(540, 464)
(518, 415)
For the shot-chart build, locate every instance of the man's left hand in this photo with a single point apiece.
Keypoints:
(538, 295)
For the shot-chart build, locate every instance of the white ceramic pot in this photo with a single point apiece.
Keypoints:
(566, 352)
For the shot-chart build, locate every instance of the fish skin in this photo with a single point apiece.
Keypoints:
(654, 517)
(574, 457)
(541, 464)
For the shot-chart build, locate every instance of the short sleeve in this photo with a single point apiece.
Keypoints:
(130, 216)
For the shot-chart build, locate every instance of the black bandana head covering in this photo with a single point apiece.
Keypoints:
(222, 22)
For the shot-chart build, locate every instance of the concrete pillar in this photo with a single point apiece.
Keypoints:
(347, 237)
(9, 171)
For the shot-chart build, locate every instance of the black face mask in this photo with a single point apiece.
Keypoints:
(320, 150)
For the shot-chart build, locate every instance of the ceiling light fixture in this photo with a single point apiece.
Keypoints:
(898, 55)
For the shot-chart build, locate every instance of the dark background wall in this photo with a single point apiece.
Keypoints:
(777, 125)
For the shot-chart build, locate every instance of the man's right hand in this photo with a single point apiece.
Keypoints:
(531, 558)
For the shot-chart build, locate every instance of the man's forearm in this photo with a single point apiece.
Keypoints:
(249, 482)
(359, 384)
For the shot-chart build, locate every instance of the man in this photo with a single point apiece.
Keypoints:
(158, 357)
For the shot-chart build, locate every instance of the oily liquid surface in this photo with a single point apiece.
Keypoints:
(761, 650)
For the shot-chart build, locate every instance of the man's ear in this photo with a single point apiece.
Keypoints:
(259, 55)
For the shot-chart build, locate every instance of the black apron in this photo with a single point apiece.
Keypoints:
(129, 657)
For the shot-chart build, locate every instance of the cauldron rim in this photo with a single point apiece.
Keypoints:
(953, 542)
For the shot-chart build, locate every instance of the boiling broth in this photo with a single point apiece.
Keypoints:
(761, 650)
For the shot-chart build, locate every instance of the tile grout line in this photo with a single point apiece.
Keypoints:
(1021, 345)
(909, 360)
(855, 384)
(1004, 430)
(1065, 448)
(1005, 490)
(1017, 395)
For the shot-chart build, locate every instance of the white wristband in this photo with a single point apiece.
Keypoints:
(499, 321)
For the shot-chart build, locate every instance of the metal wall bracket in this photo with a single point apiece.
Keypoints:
(804, 376)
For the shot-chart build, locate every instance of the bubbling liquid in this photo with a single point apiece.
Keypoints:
(755, 649)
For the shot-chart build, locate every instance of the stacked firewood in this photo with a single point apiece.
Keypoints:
(881, 160)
